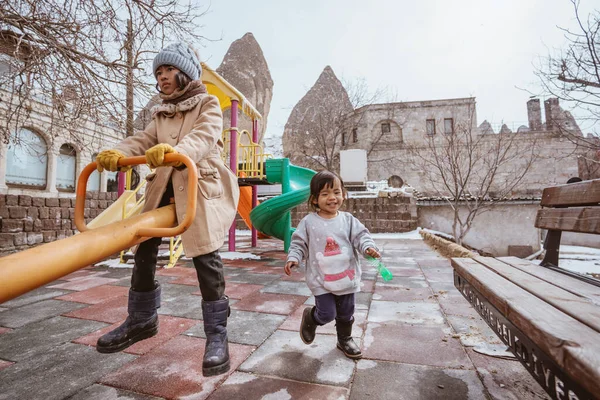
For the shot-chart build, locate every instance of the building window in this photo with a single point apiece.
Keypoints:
(385, 127)
(343, 138)
(448, 126)
(354, 135)
(94, 180)
(112, 181)
(430, 124)
(27, 160)
(65, 168)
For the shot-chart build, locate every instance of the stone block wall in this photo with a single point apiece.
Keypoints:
(27, 221)
(378, 214)
(381, 214)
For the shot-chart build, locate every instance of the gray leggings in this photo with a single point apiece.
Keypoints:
(209, 267)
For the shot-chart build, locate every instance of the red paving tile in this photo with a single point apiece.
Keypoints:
(176, 271)
(388, 293)
(80, 284)
(272, 303)
(367, 286)
(262, 387)
(111, 311)
(270, 270)
(296, 276)
(414, 344)
(5, 364)
(174, 370)
(280, 255)
(98, 294)
(82, 273)
(4, 330)
(169, 327)
(240, 290)
(245, 263)
(233, 264)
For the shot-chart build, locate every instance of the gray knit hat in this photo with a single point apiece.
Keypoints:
(180, 56)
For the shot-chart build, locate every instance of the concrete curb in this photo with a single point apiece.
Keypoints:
(445, 247)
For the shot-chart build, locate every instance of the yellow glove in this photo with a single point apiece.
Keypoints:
(155, 156)
(108, 159)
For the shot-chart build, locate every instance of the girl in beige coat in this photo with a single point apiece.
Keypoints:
(189, 121)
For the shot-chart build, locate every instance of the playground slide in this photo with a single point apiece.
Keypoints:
(272, 217)
(245, 204)
(115, 211)
(245, 207)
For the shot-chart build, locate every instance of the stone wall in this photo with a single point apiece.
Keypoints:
(507, 224)
(27, 221)
(392, 214)
(379, 214)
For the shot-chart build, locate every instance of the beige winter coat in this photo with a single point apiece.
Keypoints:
(194, 130)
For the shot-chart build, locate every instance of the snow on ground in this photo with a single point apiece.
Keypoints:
(579, 250)
(412, 235)
(113, 263)
(236, 255)
(585, 260)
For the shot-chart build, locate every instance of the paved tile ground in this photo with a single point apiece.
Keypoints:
(420, 338)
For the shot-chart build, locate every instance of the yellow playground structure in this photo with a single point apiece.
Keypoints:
(122, 225)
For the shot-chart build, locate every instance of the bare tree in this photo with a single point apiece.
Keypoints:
(328, 123)
(470, 171)
(84, 60)
(573, 76)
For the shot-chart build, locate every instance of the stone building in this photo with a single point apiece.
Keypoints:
(43, 158)
(390, 132)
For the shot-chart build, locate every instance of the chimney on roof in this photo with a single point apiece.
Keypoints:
(553, 113)
(534, 115)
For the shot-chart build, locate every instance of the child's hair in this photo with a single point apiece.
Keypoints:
(181, 79)
(318, 182)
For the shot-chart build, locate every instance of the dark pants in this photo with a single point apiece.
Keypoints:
(330, 306)
(209, 267)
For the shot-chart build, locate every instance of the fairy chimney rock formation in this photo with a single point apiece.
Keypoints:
(245, 67)
(323, 102)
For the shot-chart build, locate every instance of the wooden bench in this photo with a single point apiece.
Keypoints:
(547, 316)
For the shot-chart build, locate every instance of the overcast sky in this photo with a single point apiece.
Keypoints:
(420, 50)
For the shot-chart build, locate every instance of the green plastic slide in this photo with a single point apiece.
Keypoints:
(273, 217)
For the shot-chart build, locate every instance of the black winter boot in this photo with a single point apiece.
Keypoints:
(308, 327)
(216, 352)
(141, 323)
(345, 342)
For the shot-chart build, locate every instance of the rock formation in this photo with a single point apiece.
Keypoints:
(310, 130)
(245, 67)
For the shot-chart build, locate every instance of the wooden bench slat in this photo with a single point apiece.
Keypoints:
(572, 194)
(573, 346)
(563, 281)
(576, 219)
(571, 304)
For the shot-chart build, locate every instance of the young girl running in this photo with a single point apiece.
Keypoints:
(329, 240)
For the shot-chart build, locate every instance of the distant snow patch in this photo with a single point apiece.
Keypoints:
(412, 235)
(113, 263)
(235, 255)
